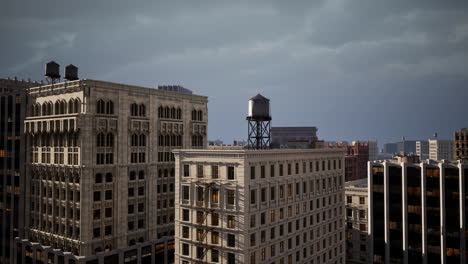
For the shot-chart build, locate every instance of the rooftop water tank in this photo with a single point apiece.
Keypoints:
(52, 70)
(71, 72)
(259, 108)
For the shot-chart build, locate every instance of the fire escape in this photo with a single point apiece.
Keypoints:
(204, 206)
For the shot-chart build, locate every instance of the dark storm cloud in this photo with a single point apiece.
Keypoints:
(364, 69)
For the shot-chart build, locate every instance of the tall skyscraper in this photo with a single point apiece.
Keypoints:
(101, 172)
(12, 112)
(460, 144)
(373, 149)
(417, 211)
(259, 206)
(440, 149)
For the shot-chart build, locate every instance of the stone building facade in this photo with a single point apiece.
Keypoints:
(100, 167)
(260, 206)
(356, 221)
(12, 154)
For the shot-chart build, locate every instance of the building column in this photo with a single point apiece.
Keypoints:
(443, 253)
(370, 202)
(404, 206)
(424, 212)
(462, 212)
(386, 212)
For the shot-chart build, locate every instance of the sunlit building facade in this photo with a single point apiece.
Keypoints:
(268, 206)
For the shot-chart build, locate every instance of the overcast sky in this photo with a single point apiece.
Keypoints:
(356, 69)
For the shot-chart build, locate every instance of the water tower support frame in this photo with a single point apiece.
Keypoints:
(259, 134)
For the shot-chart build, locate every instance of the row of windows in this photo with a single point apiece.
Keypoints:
(326, 258)
(169, 113)
(170, 140)
(166, 156)
(107, 231)
(230, 198)
(282, 213)
(231, 257)
(59, 108)
(59, 193)
(105, 107)
(59, 211)
(197, 115)
(201, 217)
(200, 173)
(55, 140)
(349, 199)
(325, 165)
(137, 110)
(287, 189)
(97, 214)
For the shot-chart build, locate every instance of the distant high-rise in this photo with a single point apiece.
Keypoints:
(390, 148)
(356, 158)
(422, 149)
(440, 149)
(12, 154)
(417, 211)
(460, 144)
(373, 149)
(282, 136)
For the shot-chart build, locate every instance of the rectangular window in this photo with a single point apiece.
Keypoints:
(253, 221)
(185, 215)
(263, 195)
(252, 172)
(272, 193)
(289, 169)
(186, 171)
(253, 194)
(215, 196)
(200, 171)
(281, 170)
(186, 192)
(215, 237)
(214, 172)
(262, 172)
(230, 172)
(231, 240)
(200, 194)
(185, 232)
(231, 197)
(185, 249)
(272, 170)
(214, 219)
(231, 221)
(214, 255)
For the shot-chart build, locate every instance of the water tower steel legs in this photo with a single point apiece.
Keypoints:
(259, 134)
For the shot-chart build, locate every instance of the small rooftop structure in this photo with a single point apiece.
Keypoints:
(175, 88)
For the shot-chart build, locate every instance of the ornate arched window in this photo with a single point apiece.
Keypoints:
(134, 140)
(194, 114)
(133, 109)
(173, 113)
(57, 108)
(100, 107)
(142, 140)
(100, 140)
(49, 108)
(110, 140)
(71, 106)
(77, 106)
(160, 112)
(166, 112)
(44, 109)
(63, 107)
(142, 110)
(179, 113)
(109, 107)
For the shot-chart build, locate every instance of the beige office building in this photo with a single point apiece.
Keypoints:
(101, 171)
(356, 221)
(260, 206)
